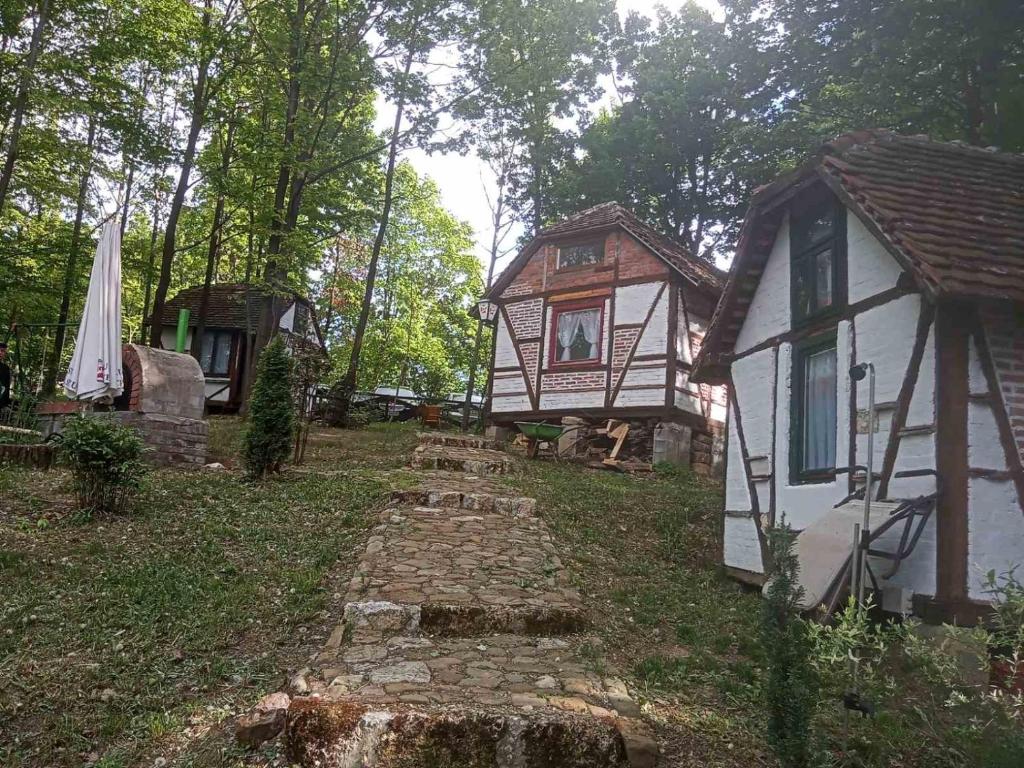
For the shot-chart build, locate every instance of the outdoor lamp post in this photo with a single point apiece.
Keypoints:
(858, 373)
(486, 313)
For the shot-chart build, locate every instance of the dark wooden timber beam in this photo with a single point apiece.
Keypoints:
(953, 324)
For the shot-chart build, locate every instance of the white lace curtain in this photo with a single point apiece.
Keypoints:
(571, 323)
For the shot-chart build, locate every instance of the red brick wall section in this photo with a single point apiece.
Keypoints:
(531, 357)
(541, 272)
(569, 382)
(1005, 332)
(623, 343)
(526, 317)
(133, 373)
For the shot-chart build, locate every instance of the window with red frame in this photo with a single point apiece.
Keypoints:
(576, 335)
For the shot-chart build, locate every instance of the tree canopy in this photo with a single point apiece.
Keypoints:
(239, 140)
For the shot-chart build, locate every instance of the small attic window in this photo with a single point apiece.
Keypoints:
(580, 255)
(818, 260)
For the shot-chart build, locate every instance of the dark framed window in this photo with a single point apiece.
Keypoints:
(301, 323)
(818, 260)
(814, 411)
(576, 333)
(580, 255)
(215, 354)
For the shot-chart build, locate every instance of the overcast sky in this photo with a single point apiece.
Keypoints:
(461, 179)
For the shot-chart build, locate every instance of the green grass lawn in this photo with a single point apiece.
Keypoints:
(126, 637)
(643, 551)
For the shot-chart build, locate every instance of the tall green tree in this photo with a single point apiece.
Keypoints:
(530, 69)
(418, 324)
(674, 150)
(953, 69)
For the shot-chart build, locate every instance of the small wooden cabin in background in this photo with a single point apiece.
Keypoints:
(600, 317)
(232, 317)
(909, 254)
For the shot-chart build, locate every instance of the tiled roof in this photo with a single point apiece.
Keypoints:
(955, 211)
(951, 214)
(226, 307)
(610, 216)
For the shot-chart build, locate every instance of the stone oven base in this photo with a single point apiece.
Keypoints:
(171, 440)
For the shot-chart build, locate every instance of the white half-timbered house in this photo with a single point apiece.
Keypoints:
(907, 254)
(600, 317)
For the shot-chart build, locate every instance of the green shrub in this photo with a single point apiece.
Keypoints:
(268, 437)
(105, 458)
(792, 687)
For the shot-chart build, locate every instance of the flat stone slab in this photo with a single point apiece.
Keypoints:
(477, 461)
(469, 499)
(512, 671)
(464, 569)
(458, 440)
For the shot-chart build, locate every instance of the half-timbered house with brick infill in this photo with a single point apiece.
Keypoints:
(903, 257)
(599, 317)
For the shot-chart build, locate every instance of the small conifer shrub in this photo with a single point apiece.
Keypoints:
(792, 687)
(268, 437)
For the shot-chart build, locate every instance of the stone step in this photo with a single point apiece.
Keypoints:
(493, 670)
(349, 734)
(458, 440)
(466, 572)
(512, 506)
(477, 461)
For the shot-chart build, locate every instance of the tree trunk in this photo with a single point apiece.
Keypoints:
(21, 100)
(215, 240)
(53, 365)
(348, 383)
(274, 272)
(178, 201)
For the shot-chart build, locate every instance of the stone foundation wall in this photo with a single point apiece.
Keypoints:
(34, 456)
(672, 442)
(171, 440)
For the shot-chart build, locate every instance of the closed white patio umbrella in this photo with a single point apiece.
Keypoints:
(95, 371)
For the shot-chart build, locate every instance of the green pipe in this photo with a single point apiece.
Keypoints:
(179, 342)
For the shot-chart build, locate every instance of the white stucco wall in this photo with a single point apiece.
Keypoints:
(504, 351)
(885, 336)
(742, 547)
(874, 270)
(995, 520)
(684, 350)
(769, 314)
(737, 496)
(632, 302)
(995, 532)
(654, 340)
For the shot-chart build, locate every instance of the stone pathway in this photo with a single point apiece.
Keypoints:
(463, 643)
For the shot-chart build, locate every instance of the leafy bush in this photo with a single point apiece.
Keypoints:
(105, 458)
(268, 438)
(929, 686)
(792, 687)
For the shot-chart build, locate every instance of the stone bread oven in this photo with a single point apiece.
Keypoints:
(163, 400)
